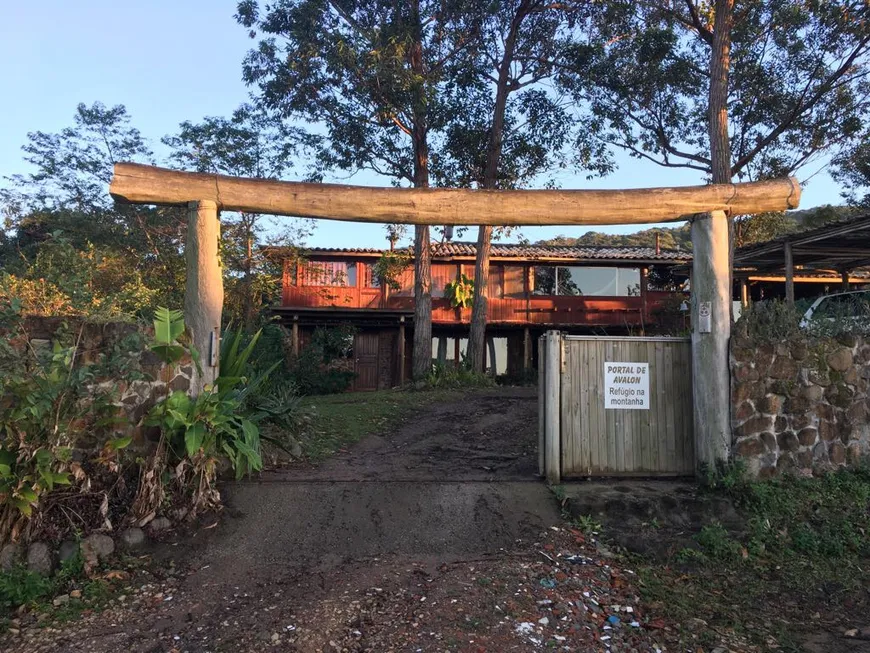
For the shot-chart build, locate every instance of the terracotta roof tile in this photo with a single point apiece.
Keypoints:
(513, 250)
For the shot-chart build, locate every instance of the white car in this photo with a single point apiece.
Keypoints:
(851, 306)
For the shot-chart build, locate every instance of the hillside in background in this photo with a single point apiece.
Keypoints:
(749, 229)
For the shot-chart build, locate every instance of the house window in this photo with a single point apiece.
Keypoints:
(594, 281)
(292, 272)
(370, 279)
(329, 273)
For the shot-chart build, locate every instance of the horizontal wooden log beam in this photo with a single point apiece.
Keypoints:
(140, 184)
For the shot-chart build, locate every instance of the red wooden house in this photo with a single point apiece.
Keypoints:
(531, 288)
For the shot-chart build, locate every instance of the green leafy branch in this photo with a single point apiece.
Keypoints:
(460, 292)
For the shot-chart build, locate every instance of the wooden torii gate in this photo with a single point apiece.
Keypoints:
(708, 207)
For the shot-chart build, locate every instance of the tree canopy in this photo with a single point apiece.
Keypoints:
(798, 86)
(67, 244)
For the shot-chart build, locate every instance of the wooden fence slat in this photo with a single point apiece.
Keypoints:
(566, 414)
(596, 424)
(587, 415)
(664, 445)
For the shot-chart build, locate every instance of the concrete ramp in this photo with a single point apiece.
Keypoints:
(321, 524)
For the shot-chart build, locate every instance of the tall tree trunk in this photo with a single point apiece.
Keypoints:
(422, 352)
(477, 334)
(711, 270)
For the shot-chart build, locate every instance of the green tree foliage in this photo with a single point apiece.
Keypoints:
(798, 85)
(347, 66)
(460, 292)
(249, 143)
(748, 230)
(63, 232)
(761, 227)
(74, 166)
(852, 170)
(389, 268)
(670, 238)
(369, 76)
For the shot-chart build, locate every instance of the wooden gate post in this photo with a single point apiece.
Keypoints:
(203, 290)
(711, 329)
(552, 397)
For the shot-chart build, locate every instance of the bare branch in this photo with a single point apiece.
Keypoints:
(665, 163)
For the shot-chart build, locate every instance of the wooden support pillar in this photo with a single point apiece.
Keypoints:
(789, 275)
(527, 349)
(442, 350)
(744, 293)
(644, 287)
(490, 343)
(711, 329)
(552, 396)
(844, 280)
(457, 352)
(295, 336)
(203, 290)
(528, 283)
(401, 356)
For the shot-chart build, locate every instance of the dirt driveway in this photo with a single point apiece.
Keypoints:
(483, 435)
(458, 480)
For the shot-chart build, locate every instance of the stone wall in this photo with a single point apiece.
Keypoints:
(800, 405)
(124, 366)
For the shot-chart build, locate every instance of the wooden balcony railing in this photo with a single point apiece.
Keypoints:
(534, 309)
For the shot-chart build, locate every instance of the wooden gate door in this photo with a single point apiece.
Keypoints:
(365, 352)
(615, 406)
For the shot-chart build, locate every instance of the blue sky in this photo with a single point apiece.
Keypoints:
(181, 60)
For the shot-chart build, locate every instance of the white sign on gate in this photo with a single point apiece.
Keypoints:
(626, 385)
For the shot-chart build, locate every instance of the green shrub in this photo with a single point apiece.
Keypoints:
(716, 543)
(197, 432)
(447, 376)
(846, 316)
(725, 476)
(47, 406)
(20, 586)
(324, 366)
(769, 321)
(825, 517)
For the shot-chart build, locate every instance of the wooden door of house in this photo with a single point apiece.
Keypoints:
(365, 353)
